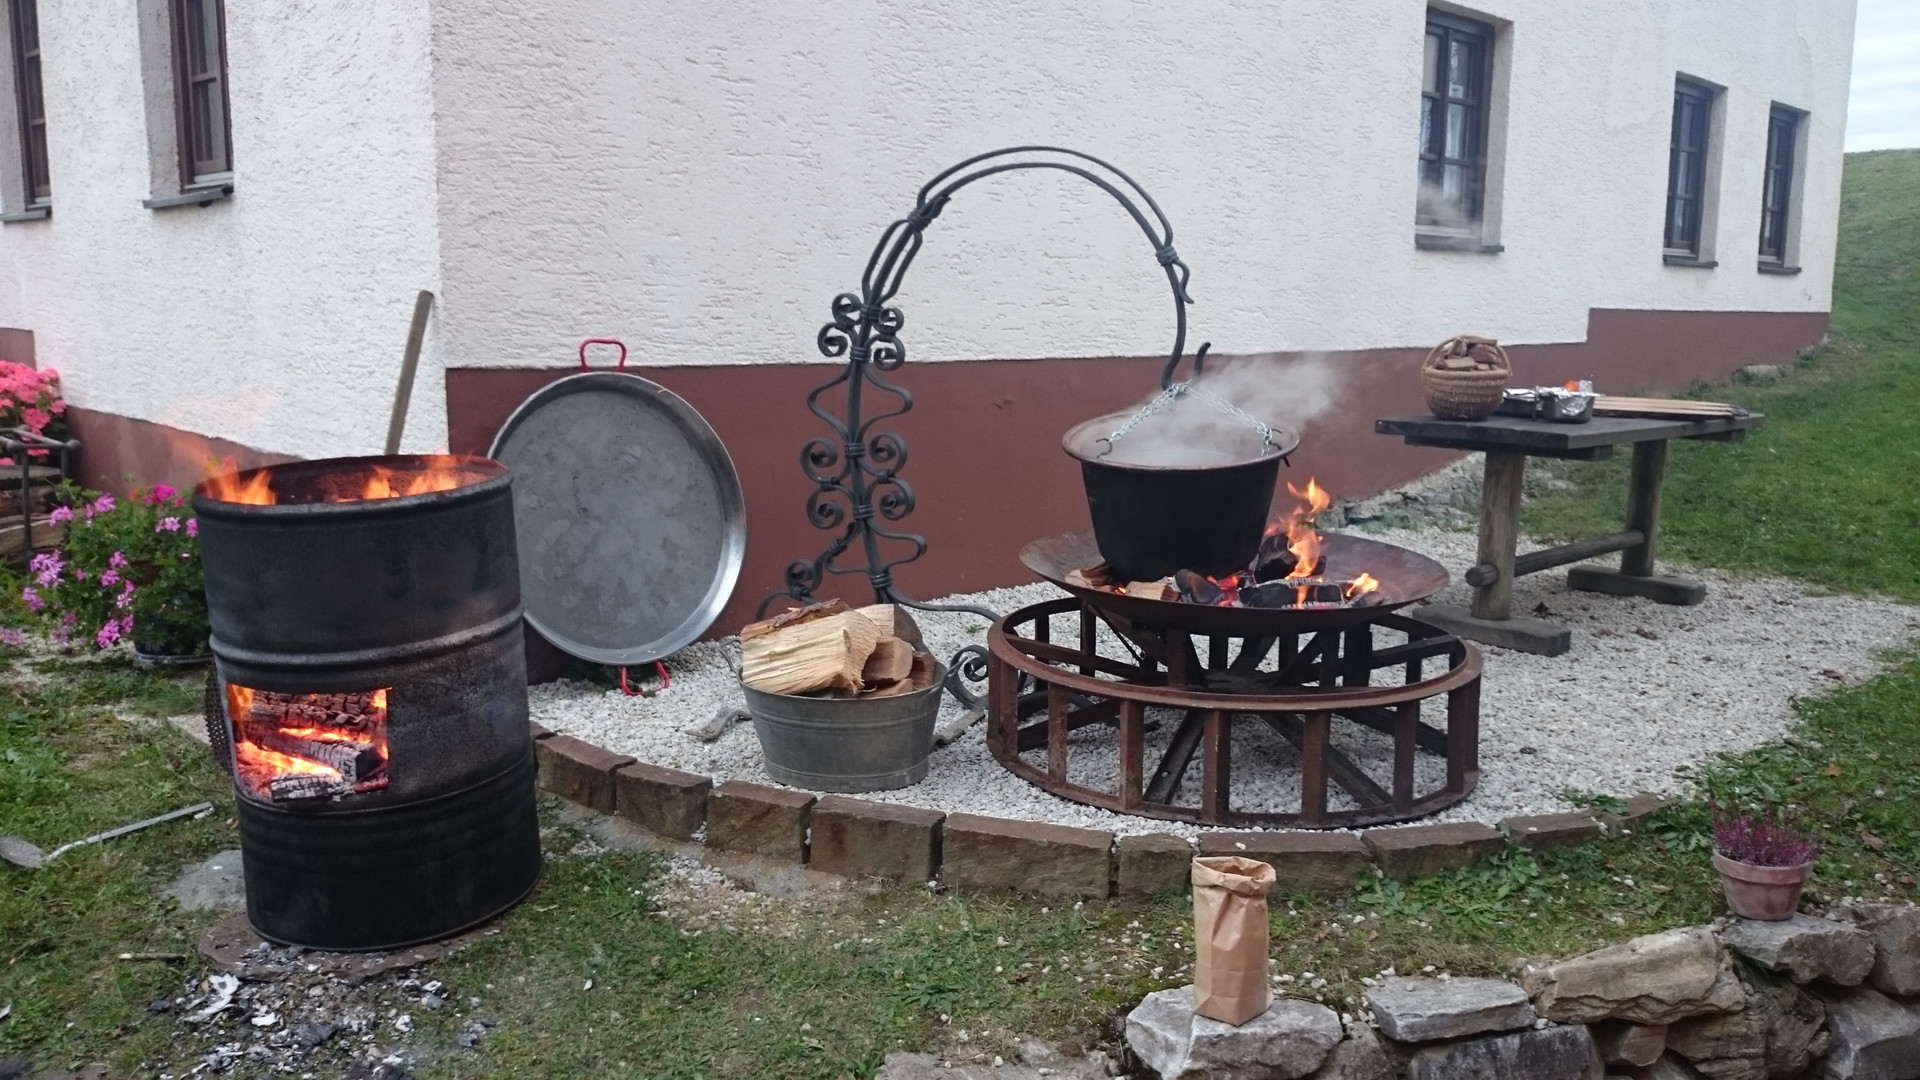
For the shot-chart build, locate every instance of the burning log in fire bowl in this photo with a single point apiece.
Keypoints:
(367, 635)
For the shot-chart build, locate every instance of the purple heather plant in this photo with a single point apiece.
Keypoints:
(1767, 839)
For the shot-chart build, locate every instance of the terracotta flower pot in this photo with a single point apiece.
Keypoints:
(1766, 893)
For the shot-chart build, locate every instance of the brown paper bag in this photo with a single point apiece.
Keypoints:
(1230, 934)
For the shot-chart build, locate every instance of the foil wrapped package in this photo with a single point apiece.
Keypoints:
(1555, 403)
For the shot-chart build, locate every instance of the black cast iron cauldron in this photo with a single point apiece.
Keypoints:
(1160, 504)
(315, 589)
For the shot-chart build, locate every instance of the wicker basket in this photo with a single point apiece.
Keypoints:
(1464, 395)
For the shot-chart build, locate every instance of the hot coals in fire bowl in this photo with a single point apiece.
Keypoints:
(367, 634)
(1357, 715)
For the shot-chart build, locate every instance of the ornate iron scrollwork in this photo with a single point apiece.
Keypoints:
(859, 490)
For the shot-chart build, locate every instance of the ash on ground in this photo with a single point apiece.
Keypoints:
(308, 1022)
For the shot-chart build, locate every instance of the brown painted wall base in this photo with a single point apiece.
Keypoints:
(986, 465)
(118, 453)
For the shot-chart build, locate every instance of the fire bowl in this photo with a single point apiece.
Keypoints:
(1405, 577)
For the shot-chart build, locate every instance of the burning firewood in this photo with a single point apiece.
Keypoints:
(1197, 588)
(1097, 576)
(354, 761)
(1153, 590)
(824, 652)
(292, 786)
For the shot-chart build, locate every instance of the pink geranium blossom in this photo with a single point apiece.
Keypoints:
(61, 514)
(167, 524)
(32, 598)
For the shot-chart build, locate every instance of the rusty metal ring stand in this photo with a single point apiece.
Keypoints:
(1320, 674)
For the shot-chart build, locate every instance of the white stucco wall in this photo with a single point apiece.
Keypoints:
(701, 179)
(276, 318)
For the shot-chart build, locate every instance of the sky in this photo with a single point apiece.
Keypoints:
(1884, 110)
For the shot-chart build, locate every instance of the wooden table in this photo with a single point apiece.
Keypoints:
(1508, 442)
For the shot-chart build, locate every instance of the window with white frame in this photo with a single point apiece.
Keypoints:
(1455, 88)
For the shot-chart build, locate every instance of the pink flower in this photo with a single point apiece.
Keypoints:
(103, 504)
(36, 419)
(108, 635)
(57, 407)
(167, 524)
(61, 514)
(125, 599)
(79, 575)
(10, 636)
(116, 560)
(193, 527)
(162, 493)
(109, 579)
(34, 603)
(46, 567)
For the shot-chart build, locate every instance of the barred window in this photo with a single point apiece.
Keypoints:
(1783, 128)
(1687, 166)
(28, 95)
(1453, 122)
(200, 73)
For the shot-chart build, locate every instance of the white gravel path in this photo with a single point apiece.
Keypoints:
(1647, 689)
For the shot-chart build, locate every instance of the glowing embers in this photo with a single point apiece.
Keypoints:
(290, 747)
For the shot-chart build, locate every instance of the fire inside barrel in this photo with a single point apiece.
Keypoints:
(289, 747)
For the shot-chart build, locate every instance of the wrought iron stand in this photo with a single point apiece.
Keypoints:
(859, 486)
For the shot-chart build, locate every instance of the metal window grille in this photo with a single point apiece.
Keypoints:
(1687, 166)
(200, 71)
(1453, 121)
(28, 94)
(1783, 127)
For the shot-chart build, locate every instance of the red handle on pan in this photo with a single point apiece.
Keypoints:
(622, 366)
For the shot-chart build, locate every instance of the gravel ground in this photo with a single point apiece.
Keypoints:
(1647, 689)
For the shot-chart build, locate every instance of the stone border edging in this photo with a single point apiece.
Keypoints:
(852, 837)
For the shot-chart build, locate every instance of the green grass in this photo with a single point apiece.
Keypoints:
(1829, 490)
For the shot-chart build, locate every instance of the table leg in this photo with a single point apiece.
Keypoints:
(1643, 505)
(1499, 531)
(1635, 576)
(1491, 618)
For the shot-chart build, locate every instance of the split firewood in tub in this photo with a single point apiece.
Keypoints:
(890, 662)
(924, 669)
(826, 653)
(792, 618)
(893, 621)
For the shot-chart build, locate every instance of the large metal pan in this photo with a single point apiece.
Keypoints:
(630, 521)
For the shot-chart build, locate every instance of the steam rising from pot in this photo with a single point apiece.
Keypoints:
(1188, 432)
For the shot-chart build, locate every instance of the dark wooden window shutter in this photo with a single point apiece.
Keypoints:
(32, 102)
(200, 68)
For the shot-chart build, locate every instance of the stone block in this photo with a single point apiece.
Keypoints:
(1804, 948)
(1874, 1038)
(1637, 809)
(666, 801)
(759, 820)
(1413, 851)
(1425, 1010)
(1777, 1032)
(1152, 863)
(1290, 1040)
(860, 838)
(1655, 979)
(1051, 860)
(1303, 861)
(1895, 930)
(1630, 1045)
(1545, 832)
(578, 771)
(1554, 1053)
(1362, 1055)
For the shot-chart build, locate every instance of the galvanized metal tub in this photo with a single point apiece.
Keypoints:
(846, 745)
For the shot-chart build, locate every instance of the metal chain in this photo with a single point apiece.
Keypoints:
(1180, 389)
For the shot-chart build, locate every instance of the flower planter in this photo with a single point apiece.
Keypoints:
(1765, 893)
